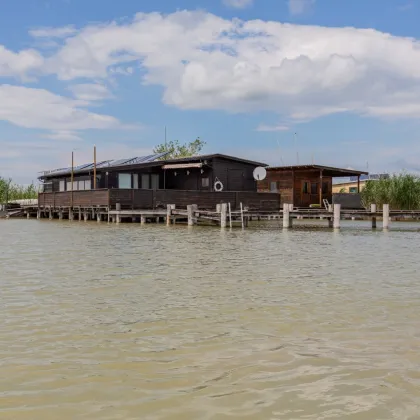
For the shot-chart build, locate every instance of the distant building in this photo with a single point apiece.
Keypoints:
(351, 185)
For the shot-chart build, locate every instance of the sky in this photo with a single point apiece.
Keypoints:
(333, 82)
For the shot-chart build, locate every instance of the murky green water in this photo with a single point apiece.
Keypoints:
(150, 322)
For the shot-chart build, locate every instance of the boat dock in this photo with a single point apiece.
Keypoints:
(223, 215)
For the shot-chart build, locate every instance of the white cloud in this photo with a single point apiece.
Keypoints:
(90, 92)
(63, 135)
(205, 62)
(41, 109)
(297, 7)
(238, 4)
(62, 32)
(264, 127)
(19, 64)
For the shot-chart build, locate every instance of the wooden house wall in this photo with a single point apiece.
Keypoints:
(280, 181)
(235, 176)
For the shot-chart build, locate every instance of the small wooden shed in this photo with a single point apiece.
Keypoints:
(304, 185)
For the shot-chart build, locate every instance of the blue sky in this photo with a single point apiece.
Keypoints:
(244, 75)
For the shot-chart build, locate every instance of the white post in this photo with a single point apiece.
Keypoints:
(218, 208)
(242, 216)
(80, 214)
(373, 210)
(223, 215)
(337, 216)
(230, 216)
(385, 216)
(71, 214)
(286, 216)
(38, 214)
(291, 207)
(60, 214)
(98, 216)
(142, 219)
(169, 209)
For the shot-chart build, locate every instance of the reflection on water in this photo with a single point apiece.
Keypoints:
(150, 322)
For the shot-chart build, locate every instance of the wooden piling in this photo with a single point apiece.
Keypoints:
(230, 215)
(242, 216)
(337, 216)
(71, 214)
(286, 216)
(38, 214)
(385, 216)
(60, 214)
(80, 214)
(169, 209)
(223, 215)
(98, 217)
(143, 220)
(373, 210)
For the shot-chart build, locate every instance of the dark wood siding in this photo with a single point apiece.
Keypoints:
(235, 176)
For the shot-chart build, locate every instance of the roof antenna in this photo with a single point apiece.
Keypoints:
(281, 159)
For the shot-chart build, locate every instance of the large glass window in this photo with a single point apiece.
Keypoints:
(124, 180)
(155, 181)
(145, 181)
(75, 186)
(62, 186)
(88, 184)
(135, 181)
(69, 188)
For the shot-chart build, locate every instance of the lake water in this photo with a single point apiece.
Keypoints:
(152, 322)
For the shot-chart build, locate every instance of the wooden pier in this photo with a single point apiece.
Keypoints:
(223, 215)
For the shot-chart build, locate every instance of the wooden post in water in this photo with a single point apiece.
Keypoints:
(169, 209)
(71, 214)
(38, 214)
(337, 216)
(286, 216)
(99, 216)
(85, 216)
(223, 215)
(143, 219)
(80, 214)
(50, 214)
(242, 216)
(230, 216)
(373, 210)
(60, 214)
(385, 216)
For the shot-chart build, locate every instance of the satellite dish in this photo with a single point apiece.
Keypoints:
(259, 173)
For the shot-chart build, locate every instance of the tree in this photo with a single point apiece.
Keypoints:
(177, 150)
(10, 191)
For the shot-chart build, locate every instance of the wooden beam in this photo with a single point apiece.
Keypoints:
(320, 187)
(358, 184)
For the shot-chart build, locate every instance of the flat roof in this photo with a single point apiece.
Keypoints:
(141, 162)
(327, 170)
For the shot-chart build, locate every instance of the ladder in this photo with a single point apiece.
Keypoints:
(326, 204)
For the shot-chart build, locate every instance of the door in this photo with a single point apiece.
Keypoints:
(235, 180)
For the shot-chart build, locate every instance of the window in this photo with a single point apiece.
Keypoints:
(145, 181)
(305, 187)
(155, 181)
(75, 186)
(325, 188)
(136, 181)
(88, 184)
(124, 180)
(62, 186)
(205, 182)
(314, 188)
(69, 186)
(273, 186)
(81, 185)
(353, 190)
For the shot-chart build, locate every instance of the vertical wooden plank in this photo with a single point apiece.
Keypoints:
(385, 216)
(286, 216)
(337, 216)
(373, 210)
(223, 215)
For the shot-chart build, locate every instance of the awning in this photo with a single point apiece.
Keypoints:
(183, 166)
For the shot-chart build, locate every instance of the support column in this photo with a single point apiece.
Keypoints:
(373, 210)
(320, 187)
(50, 214)
(143, 220)
(385, 216)
(85, 216)
(223, 215)
(28, 215)
(287, 220)
(337, 216)
(118, 209)
(169, 209)
(60, 214)
(38, 214)
(71, 214)
(80, 214)
(98, 216)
